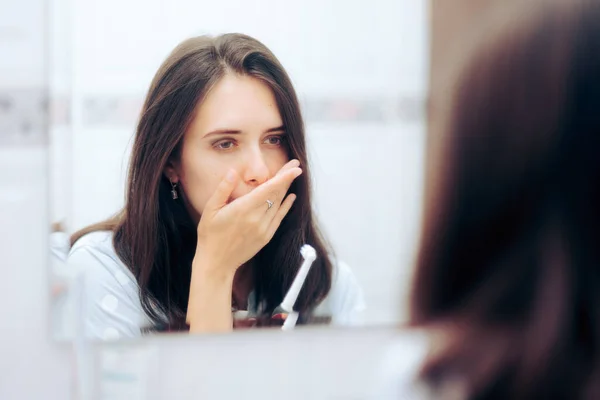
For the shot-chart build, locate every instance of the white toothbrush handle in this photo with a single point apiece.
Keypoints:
(290, 321)
(292, 295)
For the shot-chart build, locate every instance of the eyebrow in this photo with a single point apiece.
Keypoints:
(226, 131)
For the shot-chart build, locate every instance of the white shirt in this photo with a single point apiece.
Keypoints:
(106, 293)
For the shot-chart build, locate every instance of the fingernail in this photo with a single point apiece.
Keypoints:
(230, 177)
(295, 163)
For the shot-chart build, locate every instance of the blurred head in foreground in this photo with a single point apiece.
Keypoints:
(508, 269)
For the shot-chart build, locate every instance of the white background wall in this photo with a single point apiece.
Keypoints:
(118, 55)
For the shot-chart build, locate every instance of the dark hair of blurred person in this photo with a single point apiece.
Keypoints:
(508, 271)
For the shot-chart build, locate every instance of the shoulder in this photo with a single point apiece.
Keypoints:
(344, 285)
(343, 275)
(95, 260)
(345, 301)
(95, 254)
(99, 241)
(107, 291)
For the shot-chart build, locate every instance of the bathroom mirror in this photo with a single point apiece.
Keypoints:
(360, 74)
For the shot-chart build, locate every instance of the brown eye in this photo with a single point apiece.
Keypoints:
(224, 145)
(274, 140)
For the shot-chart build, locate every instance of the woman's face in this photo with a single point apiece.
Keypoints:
(237, 126)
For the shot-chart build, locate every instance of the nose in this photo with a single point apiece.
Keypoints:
(256, 171)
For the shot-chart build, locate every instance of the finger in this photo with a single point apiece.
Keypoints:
(273, 190)
(286, 206)
(289, 165)
(223, 192)
(272, 206)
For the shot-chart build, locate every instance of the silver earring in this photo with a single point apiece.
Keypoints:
(174, 190)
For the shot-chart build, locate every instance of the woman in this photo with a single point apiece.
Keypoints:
(218, 204)
(508, 274)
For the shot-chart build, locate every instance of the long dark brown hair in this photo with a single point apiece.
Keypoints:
(508, 269)
(155, 236)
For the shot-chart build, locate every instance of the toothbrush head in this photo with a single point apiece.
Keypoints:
(308, 252)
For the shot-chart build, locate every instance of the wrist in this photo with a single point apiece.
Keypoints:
(209, 302)
(207, 269)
